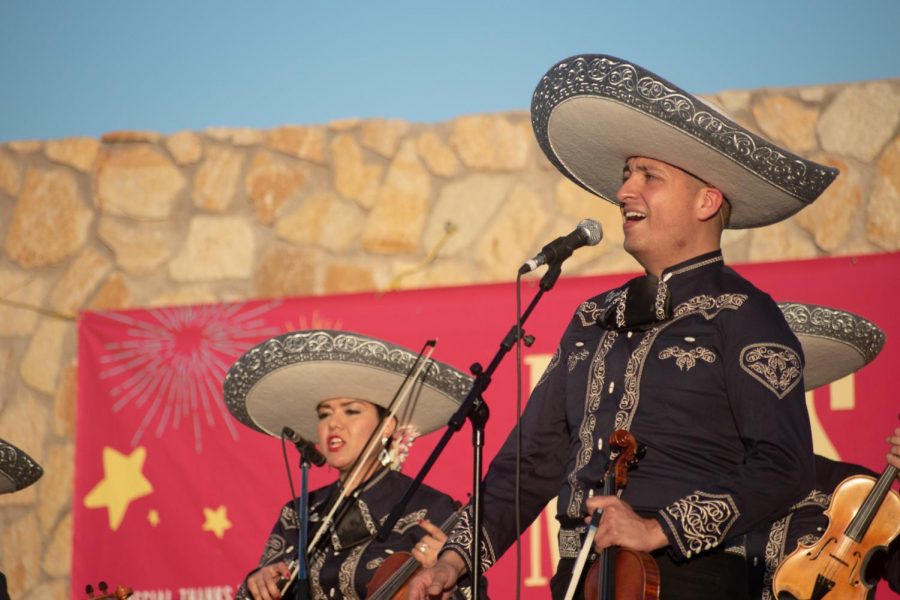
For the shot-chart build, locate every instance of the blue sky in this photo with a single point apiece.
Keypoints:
(88, 66)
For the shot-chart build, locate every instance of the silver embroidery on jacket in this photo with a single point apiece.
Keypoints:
(700, 521)
(596, 377)
(575, 357)
(588, 312)
(776, 366)
(550, 366)
(462, 539)
(685, 360)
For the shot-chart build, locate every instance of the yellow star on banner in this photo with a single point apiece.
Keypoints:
(122, 484)
(216, 521)
(153, 517)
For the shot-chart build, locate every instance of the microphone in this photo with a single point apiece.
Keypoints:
(588, 233)
(306, 448)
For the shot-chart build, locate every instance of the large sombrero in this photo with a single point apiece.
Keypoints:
(835, 343)
(280, 382)
(591, 113)
(17, 469)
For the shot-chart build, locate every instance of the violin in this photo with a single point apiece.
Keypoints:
(621, 573)
(390, 581)
(863, 518)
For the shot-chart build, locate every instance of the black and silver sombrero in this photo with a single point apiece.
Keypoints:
(17, 469)
(591, 113)
(281, 381)
(835, 343)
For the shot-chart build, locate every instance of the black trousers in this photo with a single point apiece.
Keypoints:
(711, 576)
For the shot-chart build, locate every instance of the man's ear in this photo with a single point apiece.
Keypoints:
(709, 202)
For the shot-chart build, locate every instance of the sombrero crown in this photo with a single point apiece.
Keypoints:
(281, 381)
(591, 113)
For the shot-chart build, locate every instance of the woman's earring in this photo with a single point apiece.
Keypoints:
(385, 456)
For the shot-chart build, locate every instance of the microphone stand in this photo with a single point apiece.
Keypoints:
(476, 410)
(301, 588)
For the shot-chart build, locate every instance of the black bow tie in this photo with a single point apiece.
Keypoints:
(642, 304)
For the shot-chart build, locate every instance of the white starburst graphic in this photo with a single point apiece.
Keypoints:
(172, 364)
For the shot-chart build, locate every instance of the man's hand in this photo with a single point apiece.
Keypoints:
(439, 581)
(893, 456)
(621, 526)
(263, 583)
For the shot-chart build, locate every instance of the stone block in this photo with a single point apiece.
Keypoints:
(216, 180)
(307, 143)
(21, 287)
(185, 147)
(733, 101)
(287, 271)
(441, 272)
(511, 236)
(860, 120)
(383, 135)
(345, 278)
(397, 218)
(55, 486)
(139, 247)
(324, 220)
(889, 163)
(50, 221)
(77, 152)
(353, 177)
(239, 136)
(787, 121)
(437, 155)
(79, 281)
(58, 555)
(341, 125)
(216, 248)
(64, 402)
(130, 137)
(26, 146)
(270, 182)
(883, 217)
(40, 367)
(184, 296)
(781, 241)
(830, 218)
(491, 142)
(137, 181)
(114, 294)
(469, 204)
(21, 555)
(56, 588)
(577, 204)
(10, 175)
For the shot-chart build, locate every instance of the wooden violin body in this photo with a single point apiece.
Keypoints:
(636, 576)
(622, 573)
(864, 516)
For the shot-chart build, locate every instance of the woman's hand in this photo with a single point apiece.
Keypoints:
(426, 550)
(264, 583)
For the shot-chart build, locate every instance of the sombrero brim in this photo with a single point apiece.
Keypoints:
(591, 113)
(835, 343)
(17, 469)
(281, 382)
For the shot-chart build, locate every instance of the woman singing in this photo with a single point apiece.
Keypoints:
(341, 389)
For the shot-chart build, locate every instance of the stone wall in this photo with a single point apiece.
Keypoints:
(139, 219)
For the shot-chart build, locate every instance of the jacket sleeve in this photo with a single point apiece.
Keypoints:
(763, 371)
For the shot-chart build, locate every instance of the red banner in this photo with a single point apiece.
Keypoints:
(175, 498)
